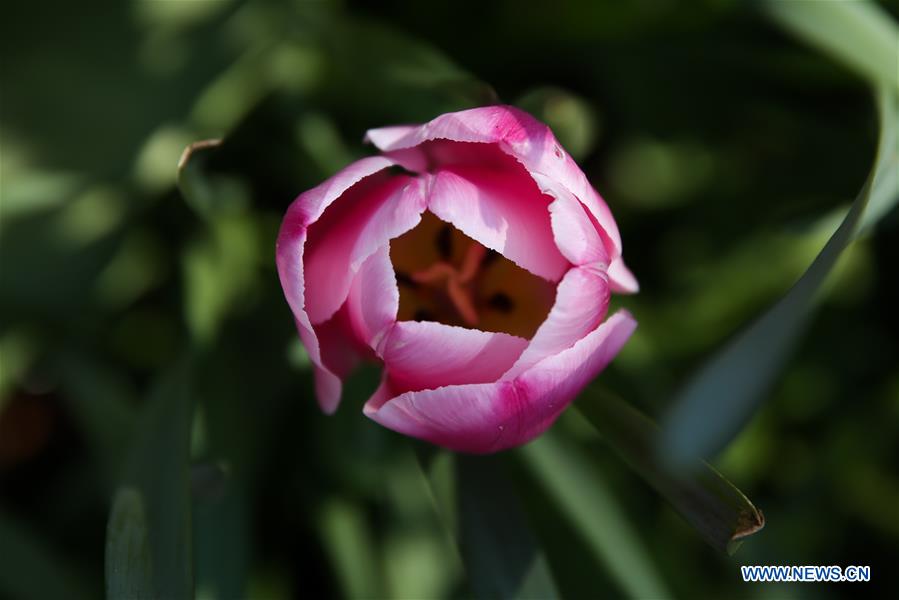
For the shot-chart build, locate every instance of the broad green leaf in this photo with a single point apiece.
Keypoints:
(30, 568)
(567, 475)
(722, 396)
(159, 471)
(858, 32)
(710, 503)
(485, 519)
(129, 569)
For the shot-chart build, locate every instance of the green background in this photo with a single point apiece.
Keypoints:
(142, 324)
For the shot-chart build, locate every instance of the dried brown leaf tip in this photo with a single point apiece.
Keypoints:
(198, 145)
(749, 522)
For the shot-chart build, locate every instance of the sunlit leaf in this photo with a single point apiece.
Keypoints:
(567, 475)
(710, 503)
(722, 396)
(348, 543)
(859, 33)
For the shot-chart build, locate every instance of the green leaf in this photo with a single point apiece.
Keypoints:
(710, 503)
(347, 540)
(129, 569)
(726, 391)
(859, 33)
(568, 476)
(484, 517)
(159, 471)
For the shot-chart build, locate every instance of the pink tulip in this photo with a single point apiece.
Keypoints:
(474, 260)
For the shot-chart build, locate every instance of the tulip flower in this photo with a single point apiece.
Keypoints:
(474, 261)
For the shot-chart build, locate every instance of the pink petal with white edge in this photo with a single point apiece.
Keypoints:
(503, 210)
(573, 231)
(289, 252)
(374, 298)
(517, 133)
(483, 418)
(289, 258)
(582, 299)
(621, 278)
(419, 355)
(310, 205)
(364, 219)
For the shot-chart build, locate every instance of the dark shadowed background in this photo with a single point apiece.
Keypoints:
(142, 323)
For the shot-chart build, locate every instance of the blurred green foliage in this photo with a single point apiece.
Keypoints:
(149, 368)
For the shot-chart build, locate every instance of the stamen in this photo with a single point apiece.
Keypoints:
(457, 281)
(436, 272)
(447, 277)
(472, 261)
(461, 297)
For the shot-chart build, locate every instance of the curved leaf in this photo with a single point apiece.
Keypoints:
(569, 478)
(722, 396)
(485, 519)
(859, 33)
(720, 512)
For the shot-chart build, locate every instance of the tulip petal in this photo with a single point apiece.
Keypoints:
(310, 205)
(489, 417)
(517, 133)
(621, 278)
(365, 218)
(573, 231)
(374, 298)
(425, 354)
(504, 211)
(289, 256)
(582, 299)
(340, 351)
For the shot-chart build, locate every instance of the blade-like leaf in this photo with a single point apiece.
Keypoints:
(129, 570)
(567, 475)
(710, 503)
(160, 472)
(348, 542)
(859, 33)
(725, 392)
(485, 519)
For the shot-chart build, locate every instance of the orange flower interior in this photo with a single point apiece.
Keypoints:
(445, 276)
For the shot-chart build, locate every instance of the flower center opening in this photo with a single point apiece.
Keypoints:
(445, 276)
